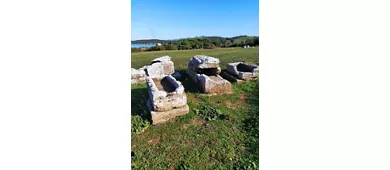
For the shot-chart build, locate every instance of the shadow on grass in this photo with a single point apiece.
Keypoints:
(139, 97)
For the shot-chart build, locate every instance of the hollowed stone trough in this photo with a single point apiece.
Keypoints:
(241, 71)
(205, 70)
(166, 99)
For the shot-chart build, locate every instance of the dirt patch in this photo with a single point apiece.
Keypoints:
(154, 141)
(228, 123)
(195, 122)
(187, 143)
(228, 103)
(242, 99)
(196, 100)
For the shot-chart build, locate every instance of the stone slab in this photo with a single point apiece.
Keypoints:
(138, 76)
(202, 61)
(160, 67)
(214, 84)
(161, 117)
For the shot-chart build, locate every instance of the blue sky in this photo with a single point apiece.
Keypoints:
(172, 19)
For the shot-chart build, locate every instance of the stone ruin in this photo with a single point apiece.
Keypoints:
(159, 68)
(138, 76)
(205, 70)
(241, 71)
(166, 99)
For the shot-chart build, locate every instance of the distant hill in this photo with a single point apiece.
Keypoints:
(236, 39)
(199, 42)
(149, 41)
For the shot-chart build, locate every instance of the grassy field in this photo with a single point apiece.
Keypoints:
(192, 142)
(181, 57)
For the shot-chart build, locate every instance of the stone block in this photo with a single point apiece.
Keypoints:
(205, 71)
(161, 117)
(243, 71)
(138, 76)
(160, 67)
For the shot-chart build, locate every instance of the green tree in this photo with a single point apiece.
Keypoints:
(228, 43)
(172, 47)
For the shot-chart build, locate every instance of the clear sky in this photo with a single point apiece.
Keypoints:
(172, 19)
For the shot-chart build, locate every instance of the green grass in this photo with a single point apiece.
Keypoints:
(191, 142)
(181, 57)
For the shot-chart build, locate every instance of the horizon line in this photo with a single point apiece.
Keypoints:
(196, 37)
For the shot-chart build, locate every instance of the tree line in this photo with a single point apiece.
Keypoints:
(203, 43)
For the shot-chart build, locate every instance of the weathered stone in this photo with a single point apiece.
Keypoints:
(138, 81)
(138, 76)
(203, 62)
(162, 59)
(160, 67)
(161, 117)
(243, 71)
(166, 96)
(214, 84)
(205, 71)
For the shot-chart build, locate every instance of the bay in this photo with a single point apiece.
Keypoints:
(142, 45)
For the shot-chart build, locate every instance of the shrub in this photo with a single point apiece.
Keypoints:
(135, 50)
(211, 47)
(208, 112)
(138, 124)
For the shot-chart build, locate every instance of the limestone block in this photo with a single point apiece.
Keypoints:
(199, 62)
(163, 116)
(214, 85)
(166, 94)
(138, 76)
(242, 70)
(205, 70)
(160, 67)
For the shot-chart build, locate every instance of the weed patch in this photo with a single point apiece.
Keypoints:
(138, 124)
(208, 112)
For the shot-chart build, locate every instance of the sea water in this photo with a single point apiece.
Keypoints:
(142, 45)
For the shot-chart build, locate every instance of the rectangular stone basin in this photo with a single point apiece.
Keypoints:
(209, 82)
(166, 99)
(205, 70)
(243, 71)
